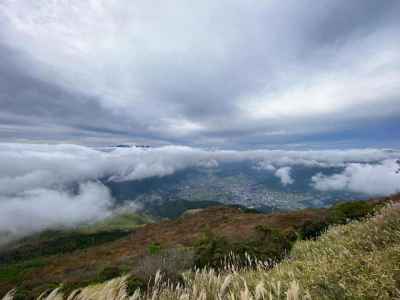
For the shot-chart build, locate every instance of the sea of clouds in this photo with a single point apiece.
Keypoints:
(43, 186)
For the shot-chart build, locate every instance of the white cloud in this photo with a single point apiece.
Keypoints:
(284, 175)
(36, 179)
(372, 179)
(29, 166)
(265, 165)
(37, 209)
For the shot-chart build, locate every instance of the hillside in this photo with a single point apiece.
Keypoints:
(201, 238)
(355, 261)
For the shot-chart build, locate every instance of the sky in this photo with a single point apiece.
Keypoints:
(219, 74)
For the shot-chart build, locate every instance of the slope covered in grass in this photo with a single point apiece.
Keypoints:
(204, 239)
(360, 260)
(19, 260)
(121, 221)
(232, 228)
(61, 241)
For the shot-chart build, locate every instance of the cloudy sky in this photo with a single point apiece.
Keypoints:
(226, 74)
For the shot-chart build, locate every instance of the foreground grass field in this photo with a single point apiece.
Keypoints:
(76, 259)
(360, 260)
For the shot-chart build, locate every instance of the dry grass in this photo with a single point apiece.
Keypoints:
(9, 295)
(83, 265)
(355, 261)
(360, 260)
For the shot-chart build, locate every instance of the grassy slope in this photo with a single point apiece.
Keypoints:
(64, 241)
(360, 260)
(83, 265)
(122, 221)
(20, 261)
(173, 209)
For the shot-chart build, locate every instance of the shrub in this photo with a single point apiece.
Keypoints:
(22, 294)
(344, 212)
(154, 248)
(133, 283)
(211, 250)
(312, 229)
(108, 273)
(340, 213)
(267, 245)
(271, 244)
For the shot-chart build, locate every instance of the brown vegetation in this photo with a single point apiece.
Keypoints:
(82, 267)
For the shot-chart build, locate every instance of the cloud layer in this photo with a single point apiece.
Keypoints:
(30, 166)
(226, 73)
(284, 175)
(373, 179)
(38, 181)
(38, 209)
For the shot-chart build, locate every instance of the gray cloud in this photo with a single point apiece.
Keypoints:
(221, 73)
(37, 180)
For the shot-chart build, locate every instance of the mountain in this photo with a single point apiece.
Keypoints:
(200, 237)
(353, 261)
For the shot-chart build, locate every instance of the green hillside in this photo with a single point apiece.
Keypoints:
(58, 242)
(121, 221)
